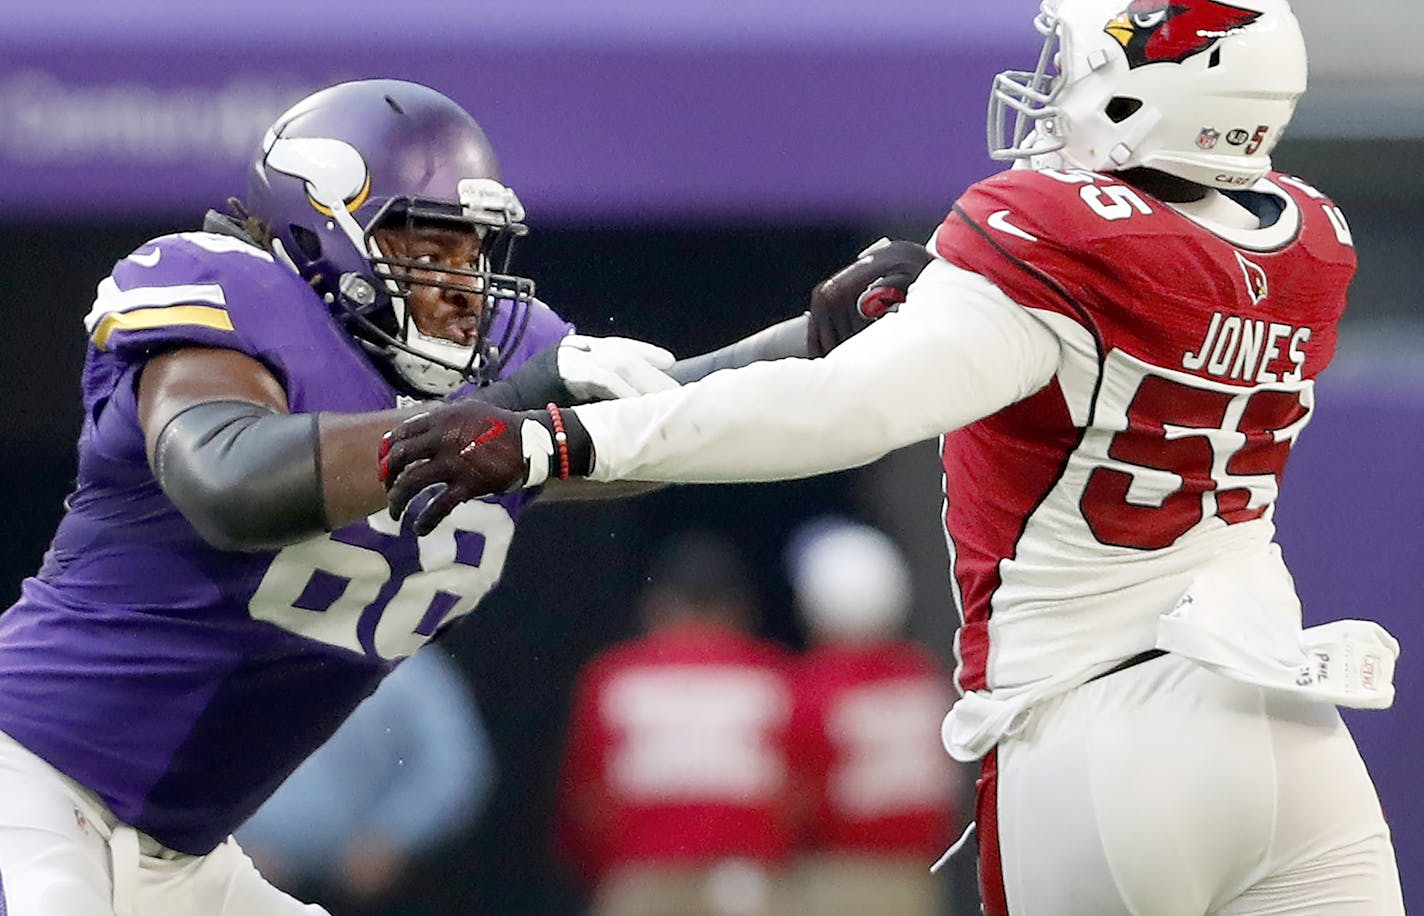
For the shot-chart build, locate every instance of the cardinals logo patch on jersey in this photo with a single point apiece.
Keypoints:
(1257, 284)
(1170, 31)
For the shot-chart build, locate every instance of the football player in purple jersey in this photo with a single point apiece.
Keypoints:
(226, 586)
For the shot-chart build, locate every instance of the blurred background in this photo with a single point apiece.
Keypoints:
(690, 169)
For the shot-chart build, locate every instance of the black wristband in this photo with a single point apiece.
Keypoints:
(576, 438)
(580, 445)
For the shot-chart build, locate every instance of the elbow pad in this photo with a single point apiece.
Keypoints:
(245, 476)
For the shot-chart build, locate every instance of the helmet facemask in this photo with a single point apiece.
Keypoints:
(1026, 100)
(376, 307)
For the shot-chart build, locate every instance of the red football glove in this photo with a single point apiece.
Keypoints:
(845, 303)
(474, 449)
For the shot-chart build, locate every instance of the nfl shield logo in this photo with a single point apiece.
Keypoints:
(1208, 138)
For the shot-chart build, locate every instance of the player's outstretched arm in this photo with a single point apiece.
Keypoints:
(957, 351)
(251, 476)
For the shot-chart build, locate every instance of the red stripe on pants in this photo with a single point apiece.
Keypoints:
(986, 818)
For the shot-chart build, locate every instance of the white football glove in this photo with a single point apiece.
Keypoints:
(599, 368)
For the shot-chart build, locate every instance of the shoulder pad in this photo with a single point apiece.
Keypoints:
(1051, 239)
(210, 290)
(1070, 208)
(174, 289)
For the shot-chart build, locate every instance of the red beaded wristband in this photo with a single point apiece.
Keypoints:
(561, 439)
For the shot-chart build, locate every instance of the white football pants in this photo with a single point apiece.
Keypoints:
(1168, 790)
(63, 852)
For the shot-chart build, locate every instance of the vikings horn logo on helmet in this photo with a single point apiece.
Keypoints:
(334, 172)
(1170, 31)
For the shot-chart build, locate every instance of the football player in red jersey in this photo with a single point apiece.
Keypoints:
(1117, 341)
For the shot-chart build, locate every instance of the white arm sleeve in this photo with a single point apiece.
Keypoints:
(957, 350)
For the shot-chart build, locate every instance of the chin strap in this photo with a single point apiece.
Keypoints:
(428, 378)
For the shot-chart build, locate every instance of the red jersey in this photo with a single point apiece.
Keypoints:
(1189, 353)
(865, 746)
(676, 752)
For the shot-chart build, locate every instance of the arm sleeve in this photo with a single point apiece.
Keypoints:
(245, 476)
(957, 350)
(786, 338)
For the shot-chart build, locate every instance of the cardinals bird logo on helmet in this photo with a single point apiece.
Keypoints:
(1170, 31)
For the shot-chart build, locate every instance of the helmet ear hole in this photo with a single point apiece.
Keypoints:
(1121, 108)
(308, 242)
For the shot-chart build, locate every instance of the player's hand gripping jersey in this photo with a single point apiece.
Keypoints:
(187, 701)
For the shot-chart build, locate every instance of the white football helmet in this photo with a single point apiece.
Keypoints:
(1200, 89)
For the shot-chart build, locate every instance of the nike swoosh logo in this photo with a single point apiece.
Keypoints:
(1000, 221)
(496, 429)
(146, 260)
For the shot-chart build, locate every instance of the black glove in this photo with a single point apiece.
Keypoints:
(845, 303)
(475, 449)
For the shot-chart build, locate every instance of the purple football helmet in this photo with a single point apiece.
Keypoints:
(365, 155)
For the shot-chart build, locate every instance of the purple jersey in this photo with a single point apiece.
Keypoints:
(183, 683)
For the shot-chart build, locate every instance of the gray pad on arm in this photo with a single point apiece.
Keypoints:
(244, 475)
(779, 341)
